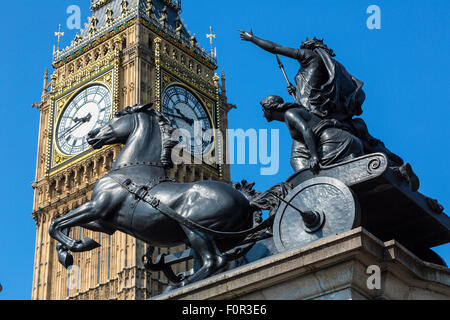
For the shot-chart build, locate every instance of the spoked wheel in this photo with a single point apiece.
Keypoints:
(315, 209)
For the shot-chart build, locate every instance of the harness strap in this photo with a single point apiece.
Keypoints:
(169, 212)
(142, 193)
(138, 164)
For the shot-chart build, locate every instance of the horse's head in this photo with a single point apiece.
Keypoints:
(118, 129)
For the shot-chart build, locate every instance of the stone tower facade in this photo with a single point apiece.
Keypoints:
(130, 52)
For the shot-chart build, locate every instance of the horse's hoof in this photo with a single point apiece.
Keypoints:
(65, 258)
(87, 244)
(61, 247)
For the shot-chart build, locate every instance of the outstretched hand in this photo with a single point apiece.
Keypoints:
(246, 36)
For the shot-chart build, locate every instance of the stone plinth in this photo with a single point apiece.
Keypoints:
(334, 268)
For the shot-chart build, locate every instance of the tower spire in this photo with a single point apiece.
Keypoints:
(224, 89)
(59, 34)
(45, 85)
(211, 36)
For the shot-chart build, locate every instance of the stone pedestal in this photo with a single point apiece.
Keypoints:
(334, 268)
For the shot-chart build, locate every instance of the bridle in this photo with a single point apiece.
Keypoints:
(138, 163)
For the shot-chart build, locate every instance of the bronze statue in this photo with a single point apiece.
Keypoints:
(344, 178)
(315, 140)
(136, 197)
(324, 87)
(327, 90)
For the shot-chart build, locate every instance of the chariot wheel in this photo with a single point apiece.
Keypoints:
(315, 209)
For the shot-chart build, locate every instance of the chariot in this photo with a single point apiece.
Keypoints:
(222, 223)
(362, 192)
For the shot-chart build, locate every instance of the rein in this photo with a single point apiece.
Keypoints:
(142, 193)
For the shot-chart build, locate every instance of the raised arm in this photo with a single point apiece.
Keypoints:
(271, 47)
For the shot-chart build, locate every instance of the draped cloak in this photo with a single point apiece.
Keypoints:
(340, 97)
(336, 101)
(335, 143)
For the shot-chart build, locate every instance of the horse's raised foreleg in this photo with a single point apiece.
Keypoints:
(83, 215)
(99, 226)
(64, 257)
(56, 230)
(96, 226)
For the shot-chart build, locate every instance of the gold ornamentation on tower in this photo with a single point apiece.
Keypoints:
(150, 7)
(124, 8)
(179, 26)
(194, 42)
(97, 4)
(77, 38)
(93, 21)
(164, 17)
(109, 16)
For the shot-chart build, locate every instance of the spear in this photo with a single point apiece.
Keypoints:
(280, 64)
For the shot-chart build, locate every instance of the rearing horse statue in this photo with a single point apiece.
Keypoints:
(138, 173)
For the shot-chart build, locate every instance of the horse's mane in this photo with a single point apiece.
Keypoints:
(168, 141)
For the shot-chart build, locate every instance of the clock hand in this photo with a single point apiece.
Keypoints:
(178, 111)
(183, 117)
(83, 120)
(188, 120)
(176, 116)
(77, 124)
(71, 129)
(87, 118)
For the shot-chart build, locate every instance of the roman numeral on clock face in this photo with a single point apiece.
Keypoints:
(91, 108)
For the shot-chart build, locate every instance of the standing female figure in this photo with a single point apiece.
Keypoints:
(324, 87)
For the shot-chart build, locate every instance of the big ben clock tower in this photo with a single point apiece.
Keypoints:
(131, 51)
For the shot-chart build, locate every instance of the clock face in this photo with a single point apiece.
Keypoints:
(88, 110)
(186, 112)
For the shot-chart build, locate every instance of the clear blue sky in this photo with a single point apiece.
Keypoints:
(404, 66)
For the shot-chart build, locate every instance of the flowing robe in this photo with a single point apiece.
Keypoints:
(335, 143)
(325, 88)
